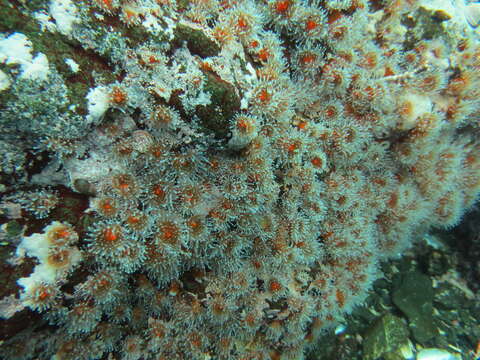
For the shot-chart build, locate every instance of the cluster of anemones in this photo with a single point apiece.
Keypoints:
(248, 242)
(57, 257)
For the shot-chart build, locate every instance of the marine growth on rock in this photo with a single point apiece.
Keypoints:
(214, 179)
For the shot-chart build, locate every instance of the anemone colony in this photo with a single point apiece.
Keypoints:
(248, 165)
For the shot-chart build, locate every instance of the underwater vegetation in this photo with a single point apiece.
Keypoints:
(213, 179)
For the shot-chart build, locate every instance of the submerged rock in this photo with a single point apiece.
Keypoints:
(414, 297)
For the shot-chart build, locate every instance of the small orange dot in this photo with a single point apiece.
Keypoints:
(264, 96)
(302, 125)
(406, 108)
(242, 23)
(410, 58)
(159, 333)
(133, 219)
(330, 112)
(275, 286)
(242, 124)
(317, 162)
(282, 6)
(103, 283)
(194, 224)
(124, 186)
(308, 59)
(158, 192)
(152, 59)
(64, 233)
(109, 235)
(264, 54)
(370, 61)
(253, 44)
(291, 148)
(118, 96)
(169, 232)
(44, 294)
(310, 25)
(470, 159)
(107, 4)
(388, 71)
